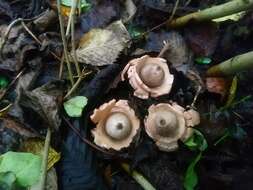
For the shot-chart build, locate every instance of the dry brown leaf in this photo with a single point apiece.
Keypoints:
(102, 46)
(217, 85)
(176, 52)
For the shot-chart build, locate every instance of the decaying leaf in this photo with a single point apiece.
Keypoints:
(130, 10)
(102, 46)
(176, 52)
(25, 166)
(203, 38)
(217, 85)
(45, 102)
(18, 127)
(75, 105)
(36, 146)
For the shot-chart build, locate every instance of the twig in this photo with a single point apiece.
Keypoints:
(138, 177)
(174, 10)
(232, 66)
(77, 132)
(64, 43)
(45, 160)
(61, 66)
(73, 38)
(11, 84)
(74, 87)
(214, 12)
(36, 39)
(71, 14)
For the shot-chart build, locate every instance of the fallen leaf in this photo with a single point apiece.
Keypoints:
(7, 180)
(45, 101)
(25, 166)
(100, 15)
(217, 85)
(176, 52)
(102, 46)
(203, 38)
(130, 10)
(74, 106)
(18, 127)
(36, 146)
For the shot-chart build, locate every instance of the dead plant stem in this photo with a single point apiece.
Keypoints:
(64, 43)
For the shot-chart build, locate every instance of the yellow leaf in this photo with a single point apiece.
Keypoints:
(36, 146)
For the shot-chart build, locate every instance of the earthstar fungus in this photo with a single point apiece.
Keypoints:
(168, 123)
(149, 76)
(116, 125)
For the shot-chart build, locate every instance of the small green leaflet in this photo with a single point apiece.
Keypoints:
(197, 141)
(191, 177)
(84, 4)
(135, 32)
(203, 60)
(232, 92)
(25, 166)
(74, 106)
(3, 82)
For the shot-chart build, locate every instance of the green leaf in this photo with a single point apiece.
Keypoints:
(7, 180)
(197, 141)
(203, 60)
(74, 106)
(135, 32)
(191, 177)
(3, 82)
(232, 92)
(25, 166)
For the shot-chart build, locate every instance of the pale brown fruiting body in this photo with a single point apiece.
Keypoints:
(149, 76)
(116, 125)
(168, 123)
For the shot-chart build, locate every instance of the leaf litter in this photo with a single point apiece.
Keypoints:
(106, 36)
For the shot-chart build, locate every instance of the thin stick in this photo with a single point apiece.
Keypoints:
(174, 11)
(74, 87)
(77, 132)
(73, 38)
(61, 66)
(138, 177)
(45, 160)
(214, 12)
(71, 14)
(64, 42)
(11, 84)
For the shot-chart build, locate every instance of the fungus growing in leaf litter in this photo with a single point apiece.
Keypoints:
(149, 76)
(116, 126)
(168, 123)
